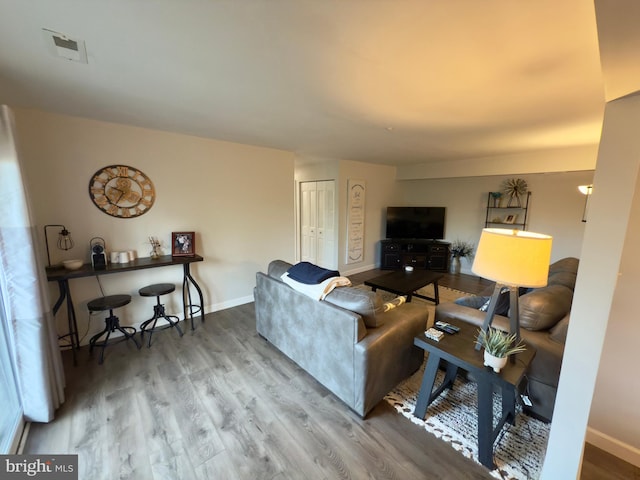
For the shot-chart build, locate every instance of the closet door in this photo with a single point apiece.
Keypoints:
(325, 243)
(317, 223)
(308, 221)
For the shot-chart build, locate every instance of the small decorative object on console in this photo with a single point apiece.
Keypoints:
(72, 264)
(156, 248)
(183, 244)
(98, 253)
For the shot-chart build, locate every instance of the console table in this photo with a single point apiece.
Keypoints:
(62, 276)
(457, 351)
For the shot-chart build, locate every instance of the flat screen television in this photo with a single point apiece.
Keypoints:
(426, 223)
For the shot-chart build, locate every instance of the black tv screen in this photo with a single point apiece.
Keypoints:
(425, 223)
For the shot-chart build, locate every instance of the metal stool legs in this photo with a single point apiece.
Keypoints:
(112, 323)
(158, 313)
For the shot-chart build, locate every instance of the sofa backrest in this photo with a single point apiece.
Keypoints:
(367, 304)
(544, 307)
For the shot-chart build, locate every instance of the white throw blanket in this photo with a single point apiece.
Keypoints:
(318, 291)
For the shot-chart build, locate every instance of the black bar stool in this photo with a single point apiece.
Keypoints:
(112, 323)
(156, 290)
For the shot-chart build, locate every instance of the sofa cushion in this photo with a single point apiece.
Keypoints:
(542, 308)
(368, 305)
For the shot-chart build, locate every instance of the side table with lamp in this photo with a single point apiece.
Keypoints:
(513, 258)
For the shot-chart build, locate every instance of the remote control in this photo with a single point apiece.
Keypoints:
(444, 330)
(447, 327)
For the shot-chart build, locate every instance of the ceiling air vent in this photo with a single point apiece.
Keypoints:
(63, 46)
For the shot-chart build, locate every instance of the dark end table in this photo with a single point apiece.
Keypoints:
(457, 351)
(406, 283)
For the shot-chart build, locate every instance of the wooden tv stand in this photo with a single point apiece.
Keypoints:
(420, 254)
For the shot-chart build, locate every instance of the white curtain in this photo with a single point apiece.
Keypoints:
(23, 288)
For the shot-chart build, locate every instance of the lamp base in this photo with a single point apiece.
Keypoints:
(514, 320)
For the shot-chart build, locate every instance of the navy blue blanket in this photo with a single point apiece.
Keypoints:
(305, 272)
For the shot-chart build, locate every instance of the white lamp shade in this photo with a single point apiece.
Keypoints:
(513, 257)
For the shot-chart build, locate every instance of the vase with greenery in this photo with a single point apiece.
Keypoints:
(498, 345)
(459, 249)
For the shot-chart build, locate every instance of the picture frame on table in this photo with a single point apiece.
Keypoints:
(511, 218)
(183, 244)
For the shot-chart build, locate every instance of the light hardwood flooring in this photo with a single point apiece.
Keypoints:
(222, 403)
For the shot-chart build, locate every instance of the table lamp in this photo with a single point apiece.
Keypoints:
(65, 242)
(513, 259)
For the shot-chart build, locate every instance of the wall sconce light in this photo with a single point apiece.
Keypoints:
(65, 242)
(586, 190)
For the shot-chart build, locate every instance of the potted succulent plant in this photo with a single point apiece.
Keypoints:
(498, 345)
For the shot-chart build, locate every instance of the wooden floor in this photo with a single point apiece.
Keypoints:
(222, 403)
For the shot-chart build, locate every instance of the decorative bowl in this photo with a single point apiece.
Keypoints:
(72, 264)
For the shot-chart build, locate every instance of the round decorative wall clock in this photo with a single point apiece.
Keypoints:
(121, 191)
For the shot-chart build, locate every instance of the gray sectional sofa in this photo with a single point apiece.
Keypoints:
(344, 341)
(544, 320)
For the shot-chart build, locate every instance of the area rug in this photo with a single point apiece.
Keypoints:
(519, 450)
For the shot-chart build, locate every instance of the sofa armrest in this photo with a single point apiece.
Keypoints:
(386, 355)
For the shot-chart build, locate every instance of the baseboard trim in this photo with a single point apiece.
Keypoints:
(613, 446)
(353, 271)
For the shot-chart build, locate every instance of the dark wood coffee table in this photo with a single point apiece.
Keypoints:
(406, 283)
(457, 351)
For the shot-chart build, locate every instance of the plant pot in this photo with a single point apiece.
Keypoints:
(497, 363)
(454, 267)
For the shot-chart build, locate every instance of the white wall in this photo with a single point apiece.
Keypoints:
(593, 314)
(555, 207)
(237, 198)
(614, 419)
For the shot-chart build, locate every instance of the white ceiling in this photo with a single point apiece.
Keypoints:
(386, 81)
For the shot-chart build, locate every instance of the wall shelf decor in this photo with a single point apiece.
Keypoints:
(499, 213)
